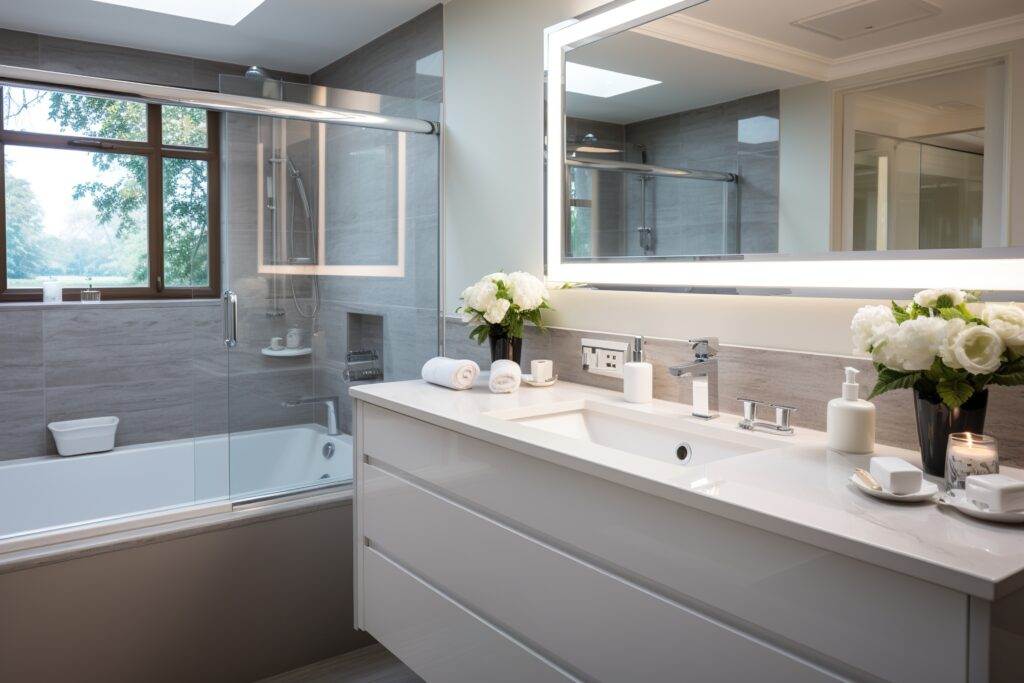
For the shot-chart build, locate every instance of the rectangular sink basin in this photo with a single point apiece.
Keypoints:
(666, 438)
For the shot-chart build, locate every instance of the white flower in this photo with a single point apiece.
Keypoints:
(481, 295)
(497, 277)
(1006, 320)
(916, 343)
(496, 310)
(979, 350)
(929, 298)
(527, 291)
(470, 316)
(947, 351)
(871, 326)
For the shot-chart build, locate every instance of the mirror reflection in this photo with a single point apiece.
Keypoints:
(721, 131)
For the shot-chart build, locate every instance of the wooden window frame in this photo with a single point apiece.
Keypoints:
(156, 151)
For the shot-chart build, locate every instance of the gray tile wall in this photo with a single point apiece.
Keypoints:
(109, 61)
(804, 380)
(361, 212)
(158, 366)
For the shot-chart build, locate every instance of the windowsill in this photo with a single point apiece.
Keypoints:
(110, 303)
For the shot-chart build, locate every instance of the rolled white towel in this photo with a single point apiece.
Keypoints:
(451, 373)
(505, 376)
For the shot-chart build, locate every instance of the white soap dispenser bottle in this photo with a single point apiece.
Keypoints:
(851, 419)
(638, 376)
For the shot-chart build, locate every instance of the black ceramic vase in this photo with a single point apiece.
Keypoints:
(504, 346)
(936, 421)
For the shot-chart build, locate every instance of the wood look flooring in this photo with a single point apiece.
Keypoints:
(373, 664)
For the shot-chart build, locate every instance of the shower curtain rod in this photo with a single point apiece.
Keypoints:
(645, 169)
(235, 104)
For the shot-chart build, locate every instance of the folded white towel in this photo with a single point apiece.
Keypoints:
(451, 373)
(505, 376)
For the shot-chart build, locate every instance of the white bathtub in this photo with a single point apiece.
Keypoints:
(48, 499)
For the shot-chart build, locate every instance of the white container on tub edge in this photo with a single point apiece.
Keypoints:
(78, 437)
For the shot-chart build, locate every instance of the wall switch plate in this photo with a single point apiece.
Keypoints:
(604, 357)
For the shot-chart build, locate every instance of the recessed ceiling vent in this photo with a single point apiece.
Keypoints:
(867, 16)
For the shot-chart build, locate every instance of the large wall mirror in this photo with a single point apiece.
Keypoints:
(797, 145)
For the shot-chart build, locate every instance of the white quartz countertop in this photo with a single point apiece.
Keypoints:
(797, 489)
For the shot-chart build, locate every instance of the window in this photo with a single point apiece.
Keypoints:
(114, 192)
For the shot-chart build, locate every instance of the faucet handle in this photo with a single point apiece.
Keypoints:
(782, 415)
(750, 408)
(704, 347)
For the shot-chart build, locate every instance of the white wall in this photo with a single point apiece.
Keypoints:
(805, 127)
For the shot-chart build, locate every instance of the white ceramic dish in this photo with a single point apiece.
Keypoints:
(926, 492)
(528, 378)
(958, 499)
(286, 353)
(78, 437)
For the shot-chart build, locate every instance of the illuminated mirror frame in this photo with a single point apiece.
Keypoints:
(819, 275)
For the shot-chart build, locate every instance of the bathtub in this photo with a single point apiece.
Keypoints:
(52, 499)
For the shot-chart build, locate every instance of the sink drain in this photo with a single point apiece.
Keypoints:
(683, 452)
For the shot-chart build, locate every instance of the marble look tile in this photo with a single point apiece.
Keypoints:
(21, 351)
(22, 425)
(19, 49)
(149, 410)
(92, 346)
(109, 61)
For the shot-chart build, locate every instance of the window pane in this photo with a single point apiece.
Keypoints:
(184, 126)
(186, 223)
(73, 215)
(60, 113)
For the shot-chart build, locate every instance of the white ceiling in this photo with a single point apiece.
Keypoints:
(290, 35)
(775, 22)
(690, 78)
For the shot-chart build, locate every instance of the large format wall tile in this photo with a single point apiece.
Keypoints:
(19, 49)
(21, 351)
(109, 61)
(22, 424)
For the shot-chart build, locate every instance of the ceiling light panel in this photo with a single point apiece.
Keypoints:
(228, 12)
(590, 80)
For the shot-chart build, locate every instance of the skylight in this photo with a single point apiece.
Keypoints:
(228, 12)
(590, 80)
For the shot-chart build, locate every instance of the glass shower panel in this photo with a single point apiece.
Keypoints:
(332, 250)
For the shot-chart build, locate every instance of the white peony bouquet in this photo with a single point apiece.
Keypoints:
(500, 304)
(943, 343)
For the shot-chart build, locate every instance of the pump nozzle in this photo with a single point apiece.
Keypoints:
(851, 390)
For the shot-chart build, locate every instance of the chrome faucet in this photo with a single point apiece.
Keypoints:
(704, 371)
(329, 402)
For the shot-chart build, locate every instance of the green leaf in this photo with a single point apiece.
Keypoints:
(890, 380)
(480, 333)
(1008, 379)
(940, 371)
(901, 314)
(944, 301)
(954, 392)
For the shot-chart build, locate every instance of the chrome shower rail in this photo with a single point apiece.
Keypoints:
(236, 104)
(645, 169)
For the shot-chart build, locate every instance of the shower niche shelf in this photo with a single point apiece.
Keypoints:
(286, 353)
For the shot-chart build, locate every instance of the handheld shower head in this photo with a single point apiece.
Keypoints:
(255, 73)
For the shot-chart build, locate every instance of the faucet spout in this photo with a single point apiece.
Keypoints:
(329, 402)
(704, 371)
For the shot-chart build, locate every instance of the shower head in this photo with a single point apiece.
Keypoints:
(255, 73)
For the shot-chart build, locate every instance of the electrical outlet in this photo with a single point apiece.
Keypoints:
(604, 357)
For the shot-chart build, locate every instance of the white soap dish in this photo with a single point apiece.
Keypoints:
(958, 499)
(78, 437)
(286, 353)
(528, 378)
(926, 492)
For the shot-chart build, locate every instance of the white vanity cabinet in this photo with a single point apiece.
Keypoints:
(477, 562)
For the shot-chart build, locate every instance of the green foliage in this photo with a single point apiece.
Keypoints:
(514, 322)
(121, 202)
(889, 380)
(26, 247)
(954, 392)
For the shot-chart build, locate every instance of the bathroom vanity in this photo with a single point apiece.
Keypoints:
(563, 534)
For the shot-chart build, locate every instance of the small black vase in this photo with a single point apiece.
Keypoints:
(936, 421)
(504, 346)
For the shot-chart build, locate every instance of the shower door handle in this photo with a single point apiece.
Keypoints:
(230, 319)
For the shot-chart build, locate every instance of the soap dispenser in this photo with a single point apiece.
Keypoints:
(851, 419)
(638, 376)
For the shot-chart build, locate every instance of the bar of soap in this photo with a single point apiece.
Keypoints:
(995, 492)
(896, 475)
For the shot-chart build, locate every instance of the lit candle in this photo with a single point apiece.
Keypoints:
(967, 454)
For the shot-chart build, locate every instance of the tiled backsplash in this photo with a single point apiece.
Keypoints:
(804, 380)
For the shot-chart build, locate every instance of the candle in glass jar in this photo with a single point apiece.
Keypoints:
(968, 453)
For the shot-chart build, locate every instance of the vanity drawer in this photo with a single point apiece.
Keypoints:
(438, 639)
(840, 610)
(587, 619)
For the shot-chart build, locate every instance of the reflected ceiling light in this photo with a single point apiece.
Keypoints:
(228, 12)
(590, 80)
